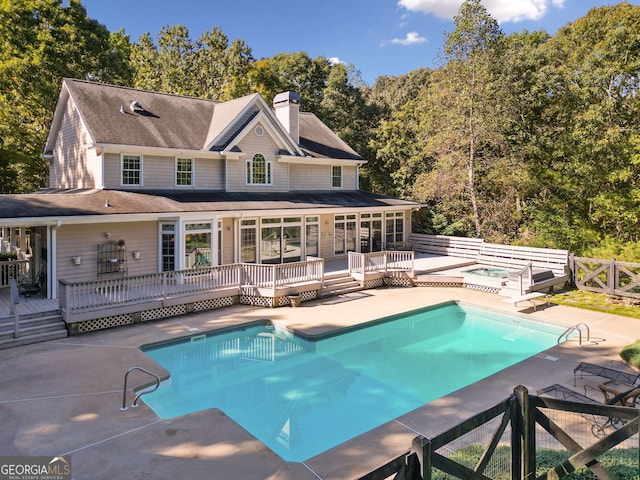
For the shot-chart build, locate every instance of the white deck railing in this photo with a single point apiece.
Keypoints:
(362, 264)
(18, 269)
(112, 293)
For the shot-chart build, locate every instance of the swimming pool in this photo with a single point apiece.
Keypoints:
(301, 396)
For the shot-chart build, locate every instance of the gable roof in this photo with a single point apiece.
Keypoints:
(163, 120)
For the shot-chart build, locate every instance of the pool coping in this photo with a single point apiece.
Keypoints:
(68, 392)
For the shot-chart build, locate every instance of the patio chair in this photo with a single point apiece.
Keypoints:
(585, 368)
(599, 423)
(628, 398)
(28, 289)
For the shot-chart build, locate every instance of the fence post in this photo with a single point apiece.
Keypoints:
(423, 448)
(611, 277)
(527, 417)
(516, 439)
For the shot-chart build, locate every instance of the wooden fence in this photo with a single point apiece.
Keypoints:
(512, 438)
(606, 276)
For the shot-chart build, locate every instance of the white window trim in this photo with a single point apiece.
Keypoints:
(268, 171)
(341, 176)
(192, 171)
(122, 184)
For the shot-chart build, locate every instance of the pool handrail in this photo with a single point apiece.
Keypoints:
(143, 392)
(577, 328)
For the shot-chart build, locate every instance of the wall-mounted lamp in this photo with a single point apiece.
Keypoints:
(136, 254)
(107, 234)
(76, 260)
(228, 228)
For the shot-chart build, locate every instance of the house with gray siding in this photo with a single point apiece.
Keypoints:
(142, 182)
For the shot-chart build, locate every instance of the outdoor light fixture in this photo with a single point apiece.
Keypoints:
(136, 254)
(76, 260)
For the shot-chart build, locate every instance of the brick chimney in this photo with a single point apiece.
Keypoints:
(287, 108)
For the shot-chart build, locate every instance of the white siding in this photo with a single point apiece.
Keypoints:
(111, 170)
(71, 167)
(236, 169)
(83, 240)
(349, 178)
(318, 177)
(310, 177)
(209, 174)
(159, 172)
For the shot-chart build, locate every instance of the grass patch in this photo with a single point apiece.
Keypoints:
(599, 302)
(621, 463)
(602, 302)
(631, 353)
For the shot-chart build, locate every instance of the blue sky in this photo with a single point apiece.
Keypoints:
(379, 37)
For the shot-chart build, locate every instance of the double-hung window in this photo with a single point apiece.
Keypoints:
(131, 169)
(184, 172)
(336, 176)
(258, 170)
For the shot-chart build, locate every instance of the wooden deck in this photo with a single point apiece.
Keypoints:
(423, 263)
(31, 305)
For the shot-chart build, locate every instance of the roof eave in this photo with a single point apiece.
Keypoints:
(142, 149)
(321, 160)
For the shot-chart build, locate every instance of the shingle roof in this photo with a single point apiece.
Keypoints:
(173, 121)
(318, 140)
(169, 121)
(73, 203)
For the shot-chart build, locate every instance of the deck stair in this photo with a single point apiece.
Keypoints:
(34, 328)
(512, 287)
(338, 283)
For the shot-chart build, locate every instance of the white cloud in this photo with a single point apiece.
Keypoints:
(411, 39)
(501, 10)
(336, 60)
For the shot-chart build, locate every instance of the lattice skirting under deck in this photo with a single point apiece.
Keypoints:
(150, 315)
(102, 323)
(482, 288)
(440, 284)
(282, 301)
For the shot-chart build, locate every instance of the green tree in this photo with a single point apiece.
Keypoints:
(292, 72)
(208, 67)
(464, 123)
(42, 42)
(344, 109)
(589, 138)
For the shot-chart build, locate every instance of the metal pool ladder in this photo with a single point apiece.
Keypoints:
(143, 392)
(577, 328)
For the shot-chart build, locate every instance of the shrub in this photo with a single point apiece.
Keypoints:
(631, 354)
(7, 256)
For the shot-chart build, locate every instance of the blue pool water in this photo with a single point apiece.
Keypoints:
(301, 397)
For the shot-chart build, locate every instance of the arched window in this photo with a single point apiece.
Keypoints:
(258, 170)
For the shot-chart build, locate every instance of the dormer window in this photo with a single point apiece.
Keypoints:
(131, 170)
(258, 170)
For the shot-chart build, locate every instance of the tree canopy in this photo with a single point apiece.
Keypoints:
(525, 138)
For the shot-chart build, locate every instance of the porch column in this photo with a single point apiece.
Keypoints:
(52, 264)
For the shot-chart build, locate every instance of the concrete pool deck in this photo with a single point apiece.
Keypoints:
(64, 397)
